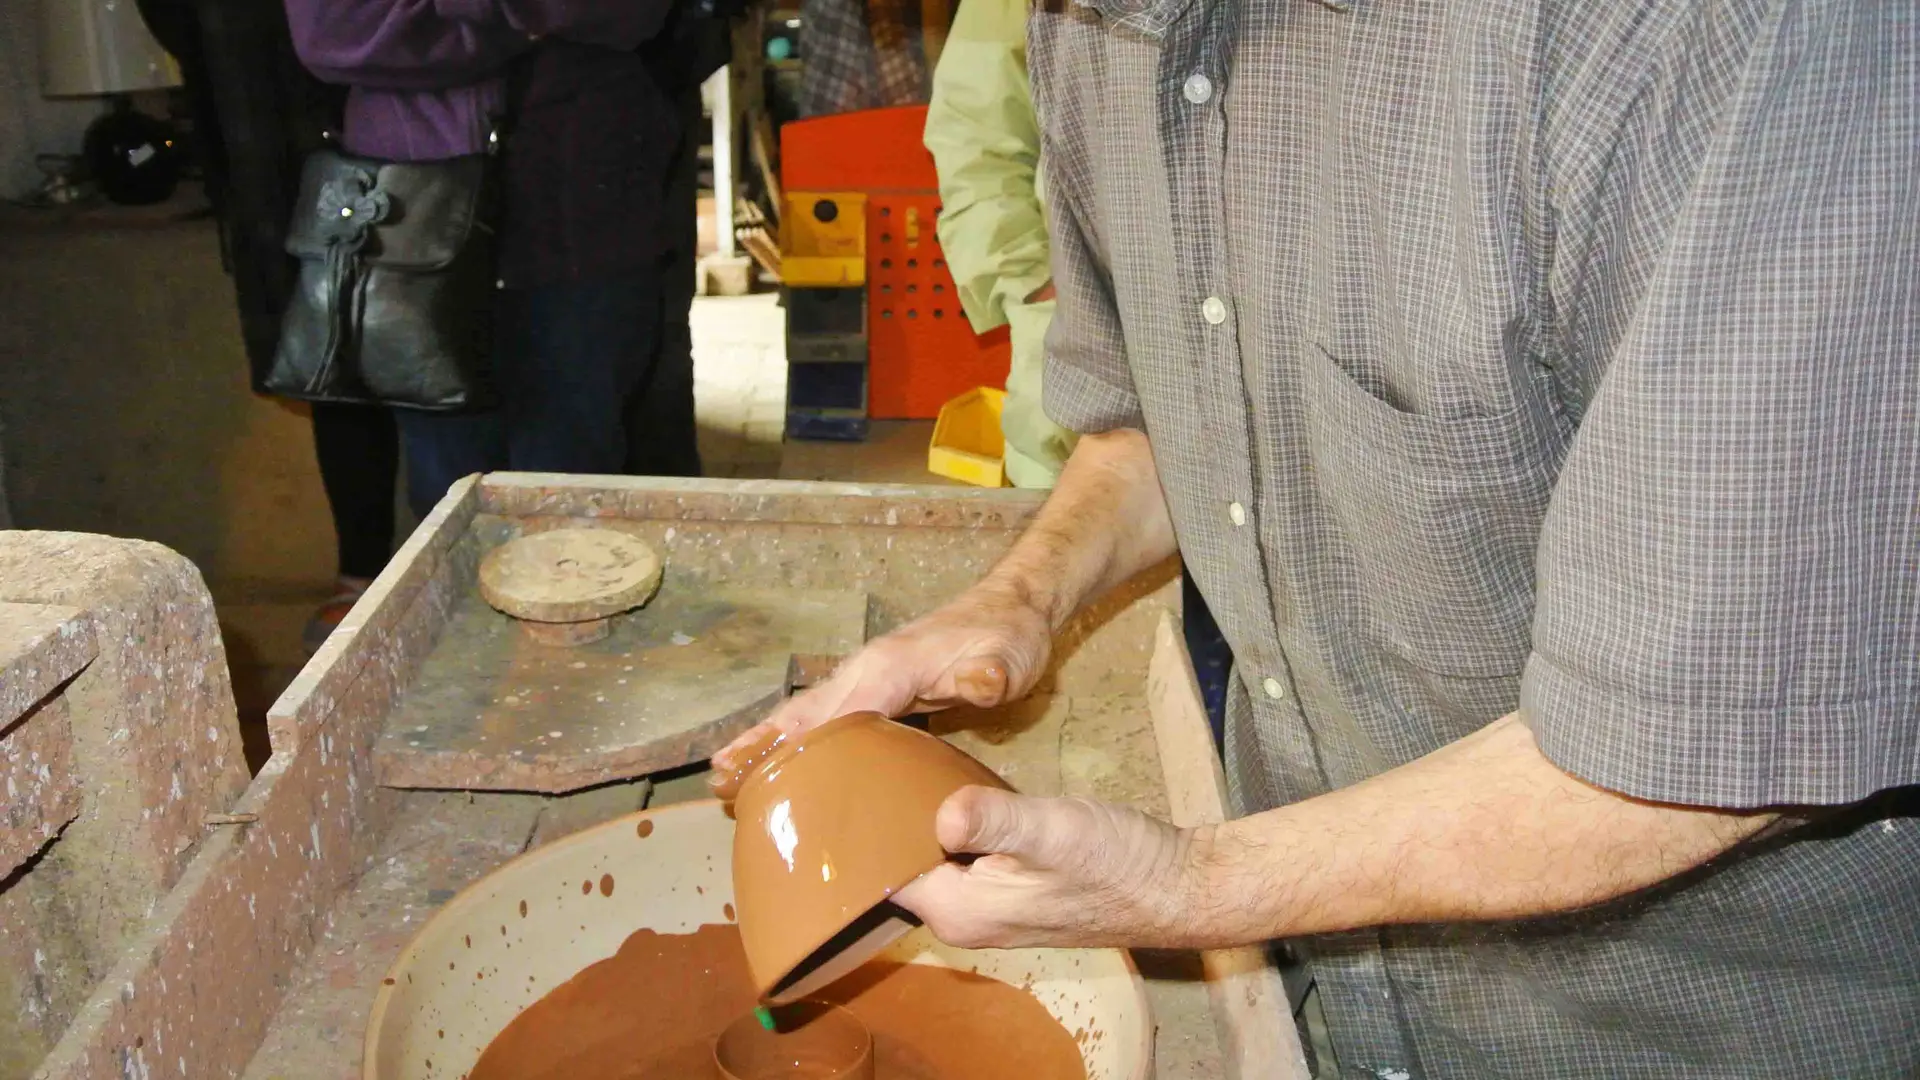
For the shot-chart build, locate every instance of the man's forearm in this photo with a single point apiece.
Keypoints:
(1486, 828)
(1106, 521)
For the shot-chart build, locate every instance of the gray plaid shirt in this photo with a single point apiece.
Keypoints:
(1552, 355)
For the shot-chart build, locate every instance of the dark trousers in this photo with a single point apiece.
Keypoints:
(1212, 659)
(574, 362)
(660, 422)
(359, 454)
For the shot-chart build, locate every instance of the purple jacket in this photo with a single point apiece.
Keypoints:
(597, 131)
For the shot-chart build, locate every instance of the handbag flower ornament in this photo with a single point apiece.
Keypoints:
(349, 207)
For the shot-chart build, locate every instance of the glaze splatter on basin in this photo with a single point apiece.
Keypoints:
(517, 934)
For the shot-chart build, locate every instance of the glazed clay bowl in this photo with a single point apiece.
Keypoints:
(812, 1040)
(830, 826)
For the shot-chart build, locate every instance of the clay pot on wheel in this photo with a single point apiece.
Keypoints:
(813, 1040)
(830, 826)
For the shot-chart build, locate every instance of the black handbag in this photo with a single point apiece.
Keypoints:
(394, 300)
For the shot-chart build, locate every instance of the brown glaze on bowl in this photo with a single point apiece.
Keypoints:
(830, 825)
(812, 1040)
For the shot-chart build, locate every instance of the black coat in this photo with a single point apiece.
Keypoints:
(257, 114)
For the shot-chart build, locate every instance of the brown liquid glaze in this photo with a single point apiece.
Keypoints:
(811, 1040)
(652, 1011)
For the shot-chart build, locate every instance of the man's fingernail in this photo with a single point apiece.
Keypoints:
(983, 681)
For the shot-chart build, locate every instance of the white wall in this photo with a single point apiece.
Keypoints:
(30, 124)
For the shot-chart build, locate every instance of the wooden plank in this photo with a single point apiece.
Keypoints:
(1249, 1000)
(495, 710)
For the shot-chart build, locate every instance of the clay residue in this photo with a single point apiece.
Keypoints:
(652, 1011)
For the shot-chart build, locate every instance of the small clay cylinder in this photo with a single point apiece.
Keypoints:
(566, 585)
(811, 1040)
(563, 635)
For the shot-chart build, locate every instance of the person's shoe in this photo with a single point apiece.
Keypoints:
(333, 612)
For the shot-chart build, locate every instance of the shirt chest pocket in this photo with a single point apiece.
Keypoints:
(1149, 19)
(1426, 527)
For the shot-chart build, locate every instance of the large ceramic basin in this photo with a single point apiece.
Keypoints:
(516, 934)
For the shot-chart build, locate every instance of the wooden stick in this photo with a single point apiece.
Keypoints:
(1249, 1000)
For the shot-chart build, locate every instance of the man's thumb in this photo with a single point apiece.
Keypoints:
(984, 821)
(981, 681)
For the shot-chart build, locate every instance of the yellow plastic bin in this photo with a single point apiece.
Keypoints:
(967, 443)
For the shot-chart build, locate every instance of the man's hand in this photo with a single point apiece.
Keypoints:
(984, 649)
(1057, 873)
(1106, 521)
(1485, 828)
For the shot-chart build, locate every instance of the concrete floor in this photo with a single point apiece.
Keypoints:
(124, 401)
(740, 386)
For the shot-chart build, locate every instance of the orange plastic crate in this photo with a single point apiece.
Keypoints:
(921, 351)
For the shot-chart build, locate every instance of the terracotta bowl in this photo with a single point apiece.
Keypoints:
(831, 825)
(432, 1018)
(812, 1039)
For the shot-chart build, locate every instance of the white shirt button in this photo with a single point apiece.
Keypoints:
(1238, 513)
(1199, 89)
(1274, 689)
(1214, 310)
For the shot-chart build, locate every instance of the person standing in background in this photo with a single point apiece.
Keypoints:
(862, 54)
(256, 115)
(993, 225)
(985, 142)
(602, 92)
(661, 433)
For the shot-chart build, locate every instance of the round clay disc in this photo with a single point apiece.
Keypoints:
(570, 575)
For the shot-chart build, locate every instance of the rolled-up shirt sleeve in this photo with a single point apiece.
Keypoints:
(1728, 589)
(436, 44)
(1088, 385)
